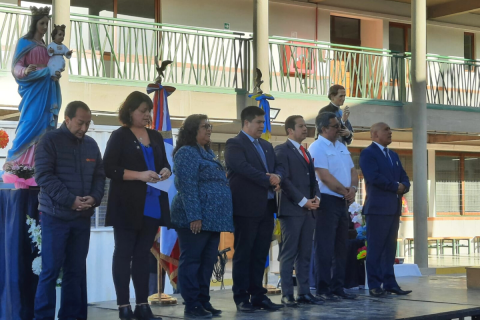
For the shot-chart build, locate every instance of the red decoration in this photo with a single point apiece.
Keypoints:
(3, 139)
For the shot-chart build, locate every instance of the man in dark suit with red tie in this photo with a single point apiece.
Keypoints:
(254, 176)
(300, 198)
(386, 182)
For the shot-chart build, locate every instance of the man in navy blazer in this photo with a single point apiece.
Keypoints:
(254, 177)
(300, 198)
(386, 183)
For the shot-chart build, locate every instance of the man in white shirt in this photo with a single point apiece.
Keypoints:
(337, 179)
(300, 198)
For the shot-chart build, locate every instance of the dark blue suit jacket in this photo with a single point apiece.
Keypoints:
(247, 175)
(298, 182)
(382, 181)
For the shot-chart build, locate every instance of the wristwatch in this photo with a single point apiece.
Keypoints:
(354, 188)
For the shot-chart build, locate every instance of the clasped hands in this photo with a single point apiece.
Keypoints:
(274, 181)
(349, 195)
(312, 204)
(83, 203)
(401, 188)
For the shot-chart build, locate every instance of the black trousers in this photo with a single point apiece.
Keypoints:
(252, 239)
(131, 255)
(198, 255)
(331, 242)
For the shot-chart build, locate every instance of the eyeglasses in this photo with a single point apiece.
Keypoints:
(207, 126)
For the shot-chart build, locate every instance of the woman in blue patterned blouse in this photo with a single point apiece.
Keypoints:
(200, 211)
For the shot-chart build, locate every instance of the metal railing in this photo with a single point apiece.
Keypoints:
(123, 49)
(311, 67)
(450, 81)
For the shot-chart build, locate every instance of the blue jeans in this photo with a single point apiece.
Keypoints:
(64, 245)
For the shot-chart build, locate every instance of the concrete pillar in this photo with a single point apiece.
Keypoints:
(419, 104)
(61, 15)
(260, 42)
(431, 184)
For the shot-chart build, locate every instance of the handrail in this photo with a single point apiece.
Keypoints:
(333, 44)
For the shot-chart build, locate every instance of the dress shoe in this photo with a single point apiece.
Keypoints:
(328, 297)
(125, 313)
(398, 291)
(245, 307)
(308, 299)
(289, 301)
(267, 304)
(208, 306)
(198, 312)
(377, 292)
(143, 312)
(342, 294)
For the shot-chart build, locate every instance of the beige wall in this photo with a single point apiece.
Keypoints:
(445, 41)
(371, 33)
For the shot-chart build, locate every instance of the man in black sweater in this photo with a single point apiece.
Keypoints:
(336, 94)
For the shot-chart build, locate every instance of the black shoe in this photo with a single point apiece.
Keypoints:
(125, 313)
(308, 299)
(143, 312)
(377, 292)
(328, 297)
(398, 291)
(267, 304)
(208, 306)
(289, 301)
(245, 307)
(342, 294)
(198, 312)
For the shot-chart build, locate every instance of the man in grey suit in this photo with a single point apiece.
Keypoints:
(300, 197)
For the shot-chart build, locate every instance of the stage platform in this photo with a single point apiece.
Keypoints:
(433, 297)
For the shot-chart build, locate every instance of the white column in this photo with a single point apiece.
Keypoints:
(61, 15)
(260, 42)
(431, 184)
(419, 103)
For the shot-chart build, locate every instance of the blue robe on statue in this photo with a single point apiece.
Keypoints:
(41, 102)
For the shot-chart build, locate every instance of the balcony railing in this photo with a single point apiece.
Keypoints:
(310, 67)
(109, 48)
(125, 49)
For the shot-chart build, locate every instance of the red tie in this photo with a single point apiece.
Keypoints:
(304, 154)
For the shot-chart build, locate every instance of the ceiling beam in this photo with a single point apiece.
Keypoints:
(450, 138)
(452, 8)
(10, 115)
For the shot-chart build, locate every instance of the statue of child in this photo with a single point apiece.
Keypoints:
(56, 51)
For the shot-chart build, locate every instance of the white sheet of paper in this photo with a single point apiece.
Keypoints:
(163, 185)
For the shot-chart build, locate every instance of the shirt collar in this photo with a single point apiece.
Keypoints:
(295, 143)
(249, 136)
(333, 104)
(379, 145)
(326, 141)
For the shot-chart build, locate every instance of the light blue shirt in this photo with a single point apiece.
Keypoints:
(336, 159)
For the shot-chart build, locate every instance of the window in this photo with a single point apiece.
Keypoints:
(469, 45)
(457, 183)
(400, 37)
(407, 163)
(98, 218)
(345, 31)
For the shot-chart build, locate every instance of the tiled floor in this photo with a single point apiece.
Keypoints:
(464, 260)
(432, 298)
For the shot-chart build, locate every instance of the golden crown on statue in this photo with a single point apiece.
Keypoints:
(59, 27)
(40, 11)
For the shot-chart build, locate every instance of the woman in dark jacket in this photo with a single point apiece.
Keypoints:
(134, 156)
(200, 211)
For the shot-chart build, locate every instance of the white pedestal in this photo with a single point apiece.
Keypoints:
(407, 270)
(58, 300)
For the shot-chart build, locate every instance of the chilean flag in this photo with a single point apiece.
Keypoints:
(165, 248)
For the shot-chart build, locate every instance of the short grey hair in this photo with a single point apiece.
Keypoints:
(323, 120)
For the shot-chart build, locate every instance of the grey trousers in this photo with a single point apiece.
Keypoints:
(297, 233)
